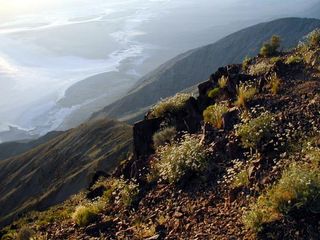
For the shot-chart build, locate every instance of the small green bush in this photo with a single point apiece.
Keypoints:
(274, 84)
(164, 136)
(244, 94)
(293, 59)
(171, 105)
(241, 179)
(313, 39)
(120, 191)
(213, 93)
(252, 132)
(85, 214)
(298, 189)
(271, 47)
(214, 115)
(181, 158)
(274, 60)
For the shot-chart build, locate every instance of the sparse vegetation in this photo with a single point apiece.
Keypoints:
(176, 161)
(241, 179)
(253, 131)
(170, 105)
(244, 94)
(274, 60)
(245, 63)
(297, 189)
(260, 68)
(271, 47)
(214, 115)
(223, 82)
(274, 84)
(119, 191)
(164, 136)
(313, 39)
(214, 92)
(85, 214)
(294, 59)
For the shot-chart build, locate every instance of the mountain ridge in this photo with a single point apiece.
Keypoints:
(192, 67)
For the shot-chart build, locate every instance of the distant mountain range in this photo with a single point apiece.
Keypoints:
(53, 171)
(195, 66)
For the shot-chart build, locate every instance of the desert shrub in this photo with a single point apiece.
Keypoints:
(253, 131)
(274, 84)
(294, 59)
(120, 191)
(214, 115)
(274, 60)
(177, 160)
(222, 82)
(271, 47)
(241, 179)
(164, 136)
(245, 63)
(260, 68)
(244, 94)
(313, 39)
(171, 105)
(213, 93)
(25, 234)
(85, 214)
(298, 189)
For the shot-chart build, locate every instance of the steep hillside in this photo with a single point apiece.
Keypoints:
(194, 66)
(240, 161)
(10, 149)
(52, 172)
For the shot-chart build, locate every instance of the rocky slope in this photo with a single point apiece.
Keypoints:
(66, 164)
(249, 169)
(194, 66)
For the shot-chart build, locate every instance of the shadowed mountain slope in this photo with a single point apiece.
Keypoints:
(50, 173)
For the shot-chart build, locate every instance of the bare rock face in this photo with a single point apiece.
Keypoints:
(142, 136)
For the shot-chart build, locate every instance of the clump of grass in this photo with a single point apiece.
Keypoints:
(214, 92)
(294, 59)
(120, 192)
(164, 136)
(244, 94)
(253, 131)
(184, 157)
(274, 84)
(214, 115)
(85, 214)
(271, 47)
(313, 39)
(170, 105)
(241, 179)
(298, 189)
(260, 68)
(222, 82)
